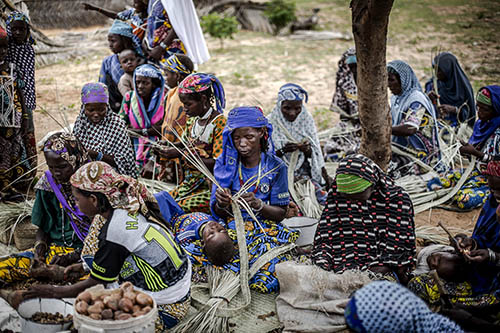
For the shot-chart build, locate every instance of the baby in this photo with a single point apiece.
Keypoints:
(216, 243)
(128, 61)
(449, 266)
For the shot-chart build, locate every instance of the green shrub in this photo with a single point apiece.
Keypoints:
(280, 13)
(220, 27)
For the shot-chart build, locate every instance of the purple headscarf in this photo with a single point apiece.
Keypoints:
(95, 92)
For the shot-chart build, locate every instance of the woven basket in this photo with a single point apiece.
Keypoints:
(24, 235)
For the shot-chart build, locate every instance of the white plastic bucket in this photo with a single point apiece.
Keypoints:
(50, 305)
(145, 323)
(307, 227)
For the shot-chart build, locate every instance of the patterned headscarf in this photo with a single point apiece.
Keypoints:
(493, 169)
(122, 192)
(173, 64)
(23, 56)
(95, 92)
(345, 97)
(351, 184)
(359, 235)
(198, 82)
(387, 307)
(411, 91)
(226, 164)
(124, 29)
(484, 129)
(484, 96)
(302, 129)
(68, 147)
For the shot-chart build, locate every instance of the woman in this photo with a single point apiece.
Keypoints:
(367, 223)
(102, 132)
(133, 245)
(177, 68)
(248, 156)
(454, 91)
(137, 16)
(120, 37)
(386, 307)
(62, 227)
(294, 129)
(203, 98)
(143, 109)
(414, 124)
(484, 145)
(479, 290)
(347, 135)
(22, 55)
(18, 154)
(161, 40)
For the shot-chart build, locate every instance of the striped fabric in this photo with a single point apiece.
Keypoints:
(361, 234)
(351, 184)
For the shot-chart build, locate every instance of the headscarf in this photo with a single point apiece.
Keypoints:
(23, 56)
(139, 116)
(198, 82)
(108, 136)
(411, 91)
(3, 33)
(124, 29)
(69, 148)
(358, 235)
(484, 129)
(122, 192)
(345, 97)
(226, 164)
(351, 184)
(174, 65)
(95, 92)
(387, 307)
(302, 129)
(456, 89)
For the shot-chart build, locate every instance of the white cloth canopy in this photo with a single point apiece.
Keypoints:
(184, 20)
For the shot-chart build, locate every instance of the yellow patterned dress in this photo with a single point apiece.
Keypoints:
(193, 193)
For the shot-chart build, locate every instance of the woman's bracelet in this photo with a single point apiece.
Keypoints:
(99, 156)
(258, 210)
(493, 256)
(40, 242)
(145, 132)
(485, 158)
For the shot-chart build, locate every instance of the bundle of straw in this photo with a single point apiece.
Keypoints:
(437, 235)
(12, 215)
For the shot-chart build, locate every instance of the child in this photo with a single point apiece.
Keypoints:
(176, 68)
(14, 130)
(143, 109)
(22, 55)
(215, 241)
(128, 61)
(119, 38)
(137, 16)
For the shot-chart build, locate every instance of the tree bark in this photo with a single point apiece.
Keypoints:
(370, 19)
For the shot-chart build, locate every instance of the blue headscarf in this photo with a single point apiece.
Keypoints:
(457, 88)
(124, 29)
(484, 129)
(226, 164)
(387, 307)
(292, 92)
(411, 91)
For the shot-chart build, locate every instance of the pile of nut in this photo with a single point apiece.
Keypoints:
(50, 318)
(118, 304)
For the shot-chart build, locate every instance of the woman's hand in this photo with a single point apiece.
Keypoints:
(306, 149)
(447, 109)
(465, 243)
(223, 197)
(64, 259)
(74, 271)
(169, 153)
(40, 253)
(292, 210)
(42, 291)
(468, 149)
(290, 147)
(253, 202)
(148, 169)
(157, 52)
(433, 97)
(478, 256)
(88, 6)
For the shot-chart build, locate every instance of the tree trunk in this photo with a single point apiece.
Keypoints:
(369, 26)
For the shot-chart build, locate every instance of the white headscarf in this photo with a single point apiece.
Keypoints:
(303, 128)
